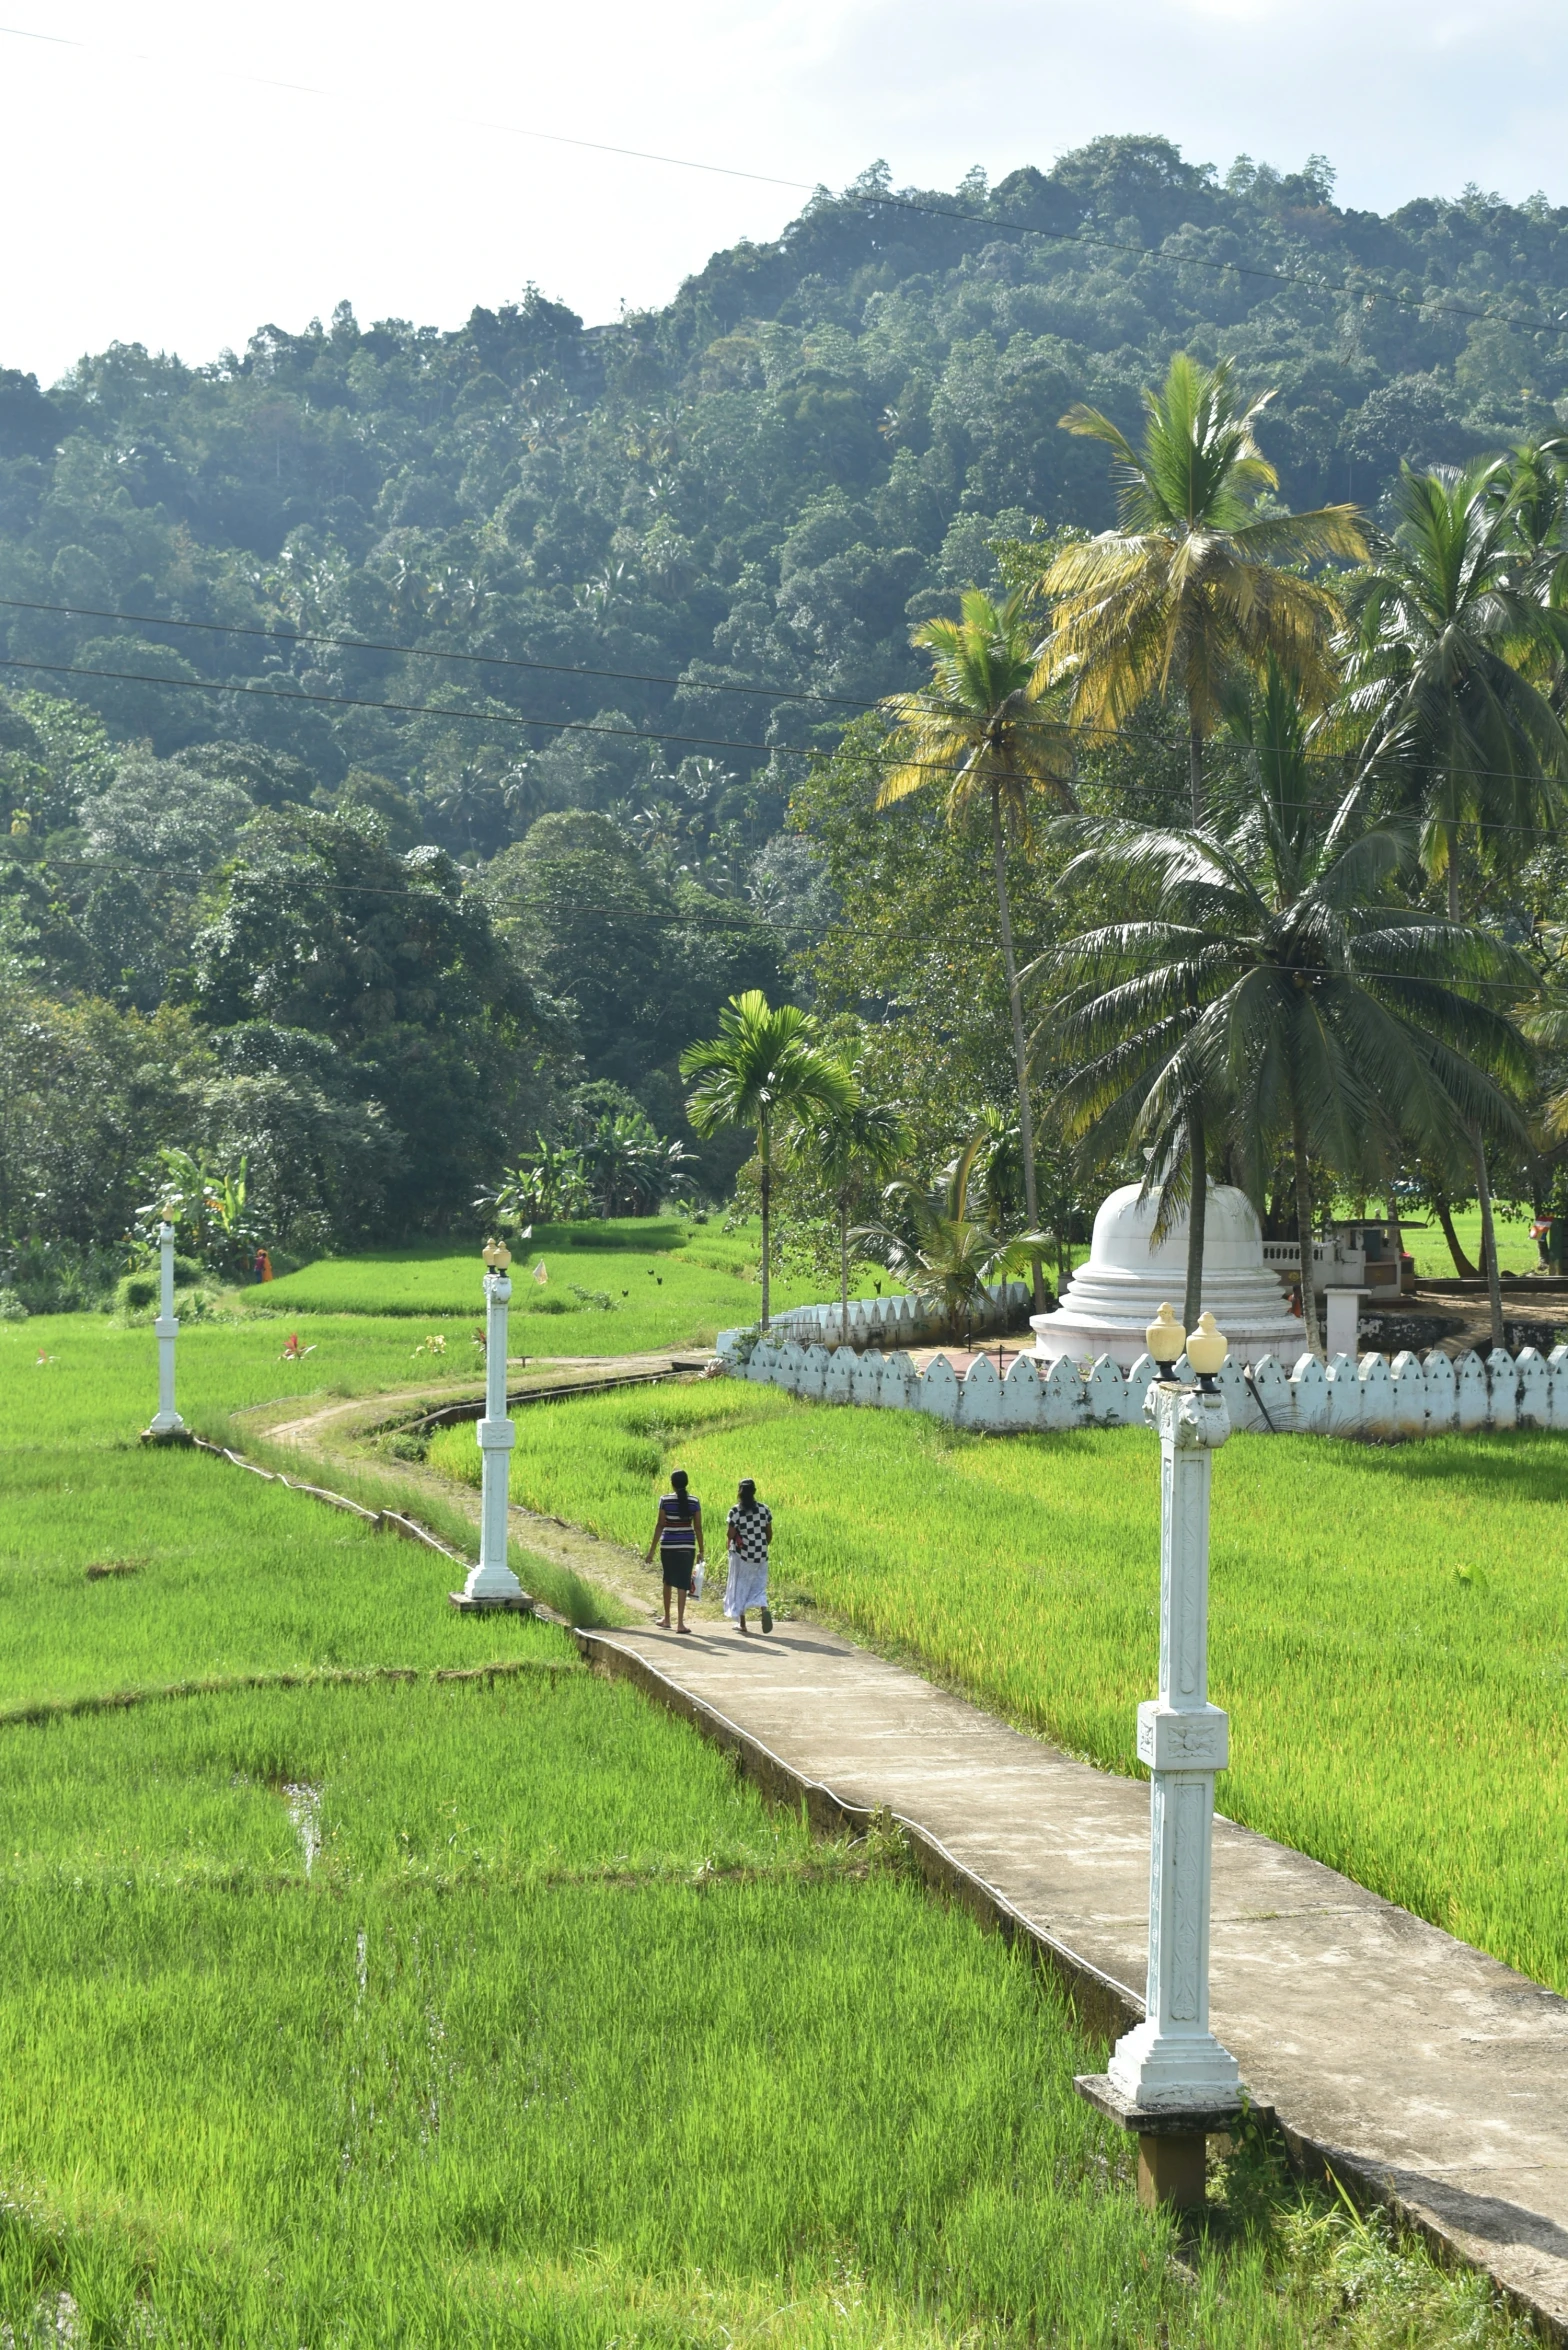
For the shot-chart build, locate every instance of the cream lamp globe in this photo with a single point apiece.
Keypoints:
(1207, 1347)
(1165, 1337)
(496, 1255)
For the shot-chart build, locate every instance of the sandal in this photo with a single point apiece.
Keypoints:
(767, 1619)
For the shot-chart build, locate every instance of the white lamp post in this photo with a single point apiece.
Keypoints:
(166, 1420)
(1170, 2079)
(492, 1583)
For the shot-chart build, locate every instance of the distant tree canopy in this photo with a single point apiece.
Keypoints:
(650, 569)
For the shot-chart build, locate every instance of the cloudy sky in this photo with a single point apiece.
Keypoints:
(176, 175)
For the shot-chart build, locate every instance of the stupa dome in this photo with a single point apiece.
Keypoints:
(1108, 1302)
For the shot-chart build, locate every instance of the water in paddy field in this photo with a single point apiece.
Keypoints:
(304, 1809)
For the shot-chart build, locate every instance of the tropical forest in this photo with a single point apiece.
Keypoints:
(1092, 649)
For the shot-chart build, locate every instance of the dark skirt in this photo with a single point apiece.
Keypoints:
(677, 1565)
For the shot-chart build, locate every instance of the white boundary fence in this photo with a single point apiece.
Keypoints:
(874, 1319)
(1373, 1397)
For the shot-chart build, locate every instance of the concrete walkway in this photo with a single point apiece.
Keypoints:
(1414, 2064)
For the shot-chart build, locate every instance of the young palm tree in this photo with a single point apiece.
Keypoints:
(861, 1142)
(978, 731)
(1188, 591)
(1328, 1018)
(761, 1068)
(939, 1249)
(1446, 621)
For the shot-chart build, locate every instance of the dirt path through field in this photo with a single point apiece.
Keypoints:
(344, 1434)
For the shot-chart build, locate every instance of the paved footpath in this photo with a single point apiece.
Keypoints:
(1407, 2059)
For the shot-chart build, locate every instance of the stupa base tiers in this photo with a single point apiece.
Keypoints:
(1108, 1304)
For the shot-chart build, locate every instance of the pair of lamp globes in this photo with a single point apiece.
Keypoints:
(1205, 1348)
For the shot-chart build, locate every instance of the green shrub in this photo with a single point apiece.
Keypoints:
(136, 1292)
(11, 1307)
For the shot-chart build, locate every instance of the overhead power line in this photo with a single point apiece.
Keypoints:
(743, 923)
(268, 693)
(360, 644)
(587, 726)
(1090, 240)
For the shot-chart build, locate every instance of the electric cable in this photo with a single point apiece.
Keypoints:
(584, 726)
(359, 644)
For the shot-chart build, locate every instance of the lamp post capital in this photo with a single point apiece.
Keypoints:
(1190, 1419)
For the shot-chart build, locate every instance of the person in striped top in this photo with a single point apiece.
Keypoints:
(677, 1536)
(750, 1533)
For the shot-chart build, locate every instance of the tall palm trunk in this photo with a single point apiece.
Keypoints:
(1195, 768)
(843, 1267)
(1309, 1275)
(767, 1210)
(1020, 1051)
(1494, 1282)
(1462, 1264)
(1197, 1214)
(1483, 1181)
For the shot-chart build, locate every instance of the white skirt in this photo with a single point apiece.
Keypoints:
(747, 1586)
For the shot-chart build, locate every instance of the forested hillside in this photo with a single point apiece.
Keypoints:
(421, 895)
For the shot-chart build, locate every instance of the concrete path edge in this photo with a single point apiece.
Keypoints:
(1100, 2004)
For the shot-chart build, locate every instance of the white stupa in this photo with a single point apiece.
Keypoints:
(1107, 1304)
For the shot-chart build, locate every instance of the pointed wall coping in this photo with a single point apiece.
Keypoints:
(1367, 1399)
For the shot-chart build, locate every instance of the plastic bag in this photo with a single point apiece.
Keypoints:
(699, 1576)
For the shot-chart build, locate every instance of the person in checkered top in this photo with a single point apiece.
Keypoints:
(750, 1532)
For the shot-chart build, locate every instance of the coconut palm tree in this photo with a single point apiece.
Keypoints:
(1189, 590)
(763, 1068)
(1278, 976)
(1446, 622)
(1444, 625)
(979, 732)
(860, 1142)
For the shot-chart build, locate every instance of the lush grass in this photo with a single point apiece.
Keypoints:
(634, 1267)
(1516, 1251)
(1387, 1625)
(668, 1284)
(98, 1381)
(220, 1584)
(496, 2009)
(554, 2037)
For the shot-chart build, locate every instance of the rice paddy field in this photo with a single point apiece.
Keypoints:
(1388, 1625)
(378, 1976)
(626, 1287)
(1516, 1251)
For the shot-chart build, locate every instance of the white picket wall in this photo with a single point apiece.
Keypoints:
(1370, 1398)
(875, 1319)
